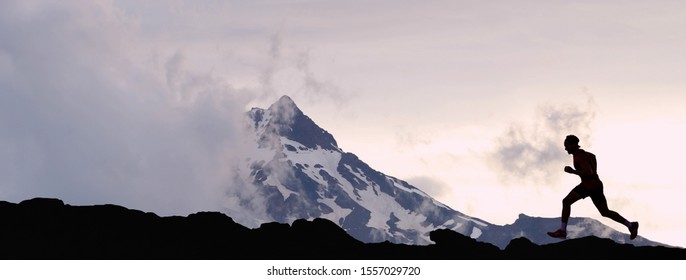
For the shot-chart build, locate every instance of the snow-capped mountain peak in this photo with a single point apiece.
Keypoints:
(285, 119)
(309, 176)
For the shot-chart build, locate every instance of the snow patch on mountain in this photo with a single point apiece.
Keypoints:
(476, 232)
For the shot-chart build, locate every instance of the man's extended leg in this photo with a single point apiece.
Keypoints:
(566, 211)
(601, 203)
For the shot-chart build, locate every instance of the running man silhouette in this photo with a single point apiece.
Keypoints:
(586, 167)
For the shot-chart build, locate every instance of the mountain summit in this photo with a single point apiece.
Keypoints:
(298, 172)
(285, 119)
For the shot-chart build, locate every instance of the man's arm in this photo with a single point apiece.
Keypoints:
(580, 172)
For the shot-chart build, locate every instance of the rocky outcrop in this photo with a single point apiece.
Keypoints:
(48, 229)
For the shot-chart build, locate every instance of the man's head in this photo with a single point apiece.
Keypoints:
(571, 144)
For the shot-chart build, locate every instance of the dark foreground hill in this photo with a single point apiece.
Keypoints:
(48, 229)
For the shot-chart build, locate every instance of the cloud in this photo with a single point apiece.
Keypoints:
(288, 70)
(407, 140)
(315, 88)
(432, 186)
(88, 117)
(533, 152)
(272, 67)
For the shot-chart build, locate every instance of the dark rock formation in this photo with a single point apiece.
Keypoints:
(48, 229)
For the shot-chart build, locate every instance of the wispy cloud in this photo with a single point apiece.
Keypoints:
(86, 117)
(431, 186)
(271, 67)
(315, 88)
(289, 71)
(533, 151)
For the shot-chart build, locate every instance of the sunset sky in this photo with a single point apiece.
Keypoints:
(131, 102)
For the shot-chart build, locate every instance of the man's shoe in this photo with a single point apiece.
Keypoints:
(633, 229)
(559, 234)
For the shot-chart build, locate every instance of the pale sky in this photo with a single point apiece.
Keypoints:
(470, 101)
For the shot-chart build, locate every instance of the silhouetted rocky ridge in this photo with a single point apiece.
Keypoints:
(44, 228)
